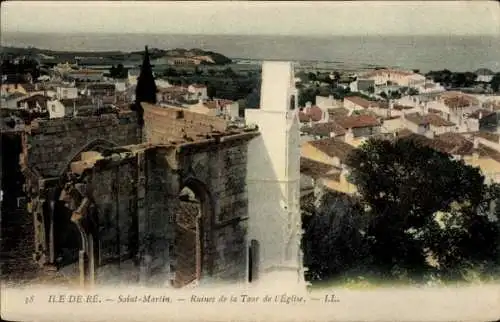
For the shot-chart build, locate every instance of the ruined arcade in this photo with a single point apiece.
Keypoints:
(166, 196)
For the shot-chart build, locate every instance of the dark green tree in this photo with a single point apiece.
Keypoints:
(146, 87)
(145, 91)
(404, 184)
(332, 243)
(211, 91)
(308, 95)
(118, 72)
(495, 82)
(412, 91)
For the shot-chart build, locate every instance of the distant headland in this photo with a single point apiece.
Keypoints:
(177, 56)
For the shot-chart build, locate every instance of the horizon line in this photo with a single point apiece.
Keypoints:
(94, 32)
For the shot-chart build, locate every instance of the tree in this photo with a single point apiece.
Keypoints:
(404, 184)
(495, 82)
(412, 91)
(145, 91)
(118, 72)
(394, 94)
(198, 71)
(146, 87)
(308, 95)
(332, 243)
(228, 72)
(211, 91)
(311, 77)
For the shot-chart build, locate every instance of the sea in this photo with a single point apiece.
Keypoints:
(456, 53)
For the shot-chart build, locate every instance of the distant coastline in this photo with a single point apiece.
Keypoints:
(457, 53)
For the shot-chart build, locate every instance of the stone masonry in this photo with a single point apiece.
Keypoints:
(104, 195)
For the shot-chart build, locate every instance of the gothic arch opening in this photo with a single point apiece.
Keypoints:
(72, 237)
(98, 145)
(192, 224)
(253, 261)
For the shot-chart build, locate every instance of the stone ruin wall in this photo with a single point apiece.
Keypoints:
(141, 190)
(163, 125)
(220, 166)
(51, 144)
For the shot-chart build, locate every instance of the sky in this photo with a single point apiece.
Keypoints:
(254, 18)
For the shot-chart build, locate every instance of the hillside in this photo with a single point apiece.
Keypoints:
(47, 55)
(219, 59)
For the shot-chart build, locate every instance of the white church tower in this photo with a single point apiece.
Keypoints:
(273, 178)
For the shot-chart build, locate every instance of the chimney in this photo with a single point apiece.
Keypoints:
(349, 135)
(476, 143)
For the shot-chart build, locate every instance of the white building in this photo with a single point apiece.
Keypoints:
(161, 83)
(56, 109)
(396, 77)
(326, 103)
(133, 74)
(63, 92)
(484, 75)
(273, 177)
(120, 86)
(199, 91)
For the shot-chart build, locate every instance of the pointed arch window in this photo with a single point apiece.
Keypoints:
(292, 102)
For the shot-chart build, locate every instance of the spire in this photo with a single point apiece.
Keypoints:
(146, 87)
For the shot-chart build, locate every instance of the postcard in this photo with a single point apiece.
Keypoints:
(250, 161)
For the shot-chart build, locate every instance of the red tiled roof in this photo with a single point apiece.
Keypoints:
(324, 129)
(314, 169)
(489, 136)
(402, 107)
(357, 121)
(456, 99)
(486, 151)
(361, 101)
(482, 113)
(333, 148)
(338, 111)
(451, 143)
(312, 113)
(457, 102)
(303, 117)
(432, 119)
(433, 110)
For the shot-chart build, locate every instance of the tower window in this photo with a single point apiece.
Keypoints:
(292, 102)
(253, 261)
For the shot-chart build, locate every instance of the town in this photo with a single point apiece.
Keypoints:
(451, 119)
